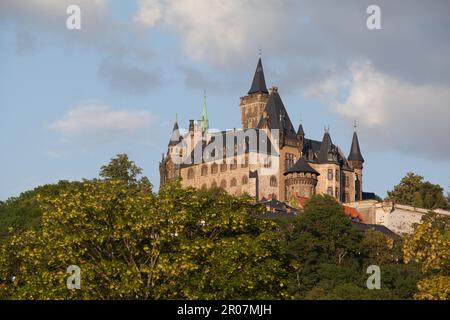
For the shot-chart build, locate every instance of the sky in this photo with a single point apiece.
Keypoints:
(70, 100)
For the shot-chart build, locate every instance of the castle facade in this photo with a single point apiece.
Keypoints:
(267, 158)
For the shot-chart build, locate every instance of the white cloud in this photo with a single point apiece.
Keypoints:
(95, 123)
(393, 114)
(149, 12)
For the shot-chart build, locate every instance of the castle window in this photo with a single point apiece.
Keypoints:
(204, 170)
(330, 176)
(347, 181)
(191, 173)
(336, 193)
(336, 175)
(330, 191)
(214, 168)
(223, 167)
(233, 165)
(244, 180)
(233, 182)
(347, 197)
(223, 184)
(289, 160)
(273, 181)
(214, 184)
(204, 186)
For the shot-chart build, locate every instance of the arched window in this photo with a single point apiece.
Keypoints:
(336, 175)
(244, 180)
(191, 173)
(330, 174)
(214, 184)
(223, 184)
(273, 181)
(204, 186)
(330, 191)
(204, 170)
(233, 182)
(223, 167)
(214, 168)
(245, 163)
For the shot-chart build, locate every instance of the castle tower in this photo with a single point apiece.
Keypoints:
(301, 180)
(356, 159)
(252, 105)
(301, 136)
(169, 167)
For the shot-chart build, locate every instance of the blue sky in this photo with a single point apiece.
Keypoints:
(72, 99)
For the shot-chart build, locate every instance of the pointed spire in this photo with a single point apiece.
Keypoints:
(204, 123)
(175, 138)
(355, 151)
(259, 82)
(300, 131)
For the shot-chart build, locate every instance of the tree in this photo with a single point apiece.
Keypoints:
(406, 192)
(178, 244)
(121, 168)
(417, 200)
(429, 245)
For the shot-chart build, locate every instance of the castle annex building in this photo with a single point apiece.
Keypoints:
(282, 164)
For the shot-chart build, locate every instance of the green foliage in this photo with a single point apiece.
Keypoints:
(417, 200)
(429, 245)
(23, 212)
(411, 186)
(132, 244)
(121, 168)
(328, 257)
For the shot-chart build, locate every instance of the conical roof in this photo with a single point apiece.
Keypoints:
(301, 166)
(175, 138)
(259, 82)
(355, 151)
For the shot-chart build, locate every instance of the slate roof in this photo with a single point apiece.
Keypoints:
(301, 166)
(366, 227)
(259, 82)
(263, 145)
(277, 116)
(355, 151)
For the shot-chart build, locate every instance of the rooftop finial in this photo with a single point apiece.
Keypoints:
(176, 117)
(260, 53)
(354, 125)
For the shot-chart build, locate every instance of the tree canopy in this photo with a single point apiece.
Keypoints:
(413, 191)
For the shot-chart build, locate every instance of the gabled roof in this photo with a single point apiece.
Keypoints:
(301, 166)
(326, 148)
(259, 82)
(277, 116)
(355, 151)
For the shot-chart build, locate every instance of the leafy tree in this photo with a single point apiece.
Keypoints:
(429, 245)
(406, 192)
(133, 244)
(121, 168)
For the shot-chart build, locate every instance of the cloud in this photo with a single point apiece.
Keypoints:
(129, 78)
(94, 123)
(393, 114)
(149, 12)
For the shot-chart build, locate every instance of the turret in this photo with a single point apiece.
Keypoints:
(356, 160)
(301, 179)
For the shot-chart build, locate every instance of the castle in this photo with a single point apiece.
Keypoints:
(280, 165)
